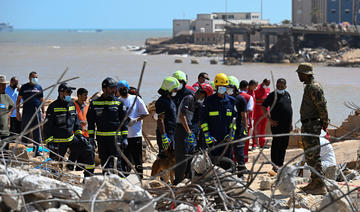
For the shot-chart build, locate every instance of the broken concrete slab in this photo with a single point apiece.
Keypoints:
(330, 205)
(287, 180)
(12, 200)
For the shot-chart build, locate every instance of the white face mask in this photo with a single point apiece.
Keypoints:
(180, 86)
(173, 94)
(34, 81)
(221, 90)
(281, 92)
(265, 87)
(200, 101)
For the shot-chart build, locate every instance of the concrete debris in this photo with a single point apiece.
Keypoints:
(340, 205)
(265, 183)
(11, 199)
(62, 208)
(287, 180)
(301, 201)
(187, 208)
(116, 193)
(178, 60)
(200, 164)
(195, 61)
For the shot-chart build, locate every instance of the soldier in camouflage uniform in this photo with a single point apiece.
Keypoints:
(314, 117)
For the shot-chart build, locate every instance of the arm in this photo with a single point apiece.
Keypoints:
(317, 96)
(124, 127)
(184, 122)
(43, 105)
(244, 120)
(49, 124)
(18, 115)
(160, 123)
(90, 117)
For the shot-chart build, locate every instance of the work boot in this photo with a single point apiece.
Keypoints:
(307, 187)
(317, 190)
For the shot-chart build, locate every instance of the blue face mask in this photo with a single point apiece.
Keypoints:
(67, 99)
(221, 90)
(281, 92)
(34, 81)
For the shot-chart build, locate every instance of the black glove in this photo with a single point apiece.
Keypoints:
(82, 140)
(93, 142)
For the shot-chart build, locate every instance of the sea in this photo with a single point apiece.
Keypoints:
(93, 56)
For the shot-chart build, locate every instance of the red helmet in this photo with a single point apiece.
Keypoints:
(207, 88)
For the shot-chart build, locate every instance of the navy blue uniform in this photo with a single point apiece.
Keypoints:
(216, 116)
(31, 95)
(241, 107)
(63, 130)
(165, 105)
(107, 114)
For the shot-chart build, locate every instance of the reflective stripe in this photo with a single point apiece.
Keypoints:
(91, 131)
(71, 108)
(77, 132)
(214, 113)
(228, 113)
(92, 166)
(63, 140)
(124, 132)
(107, 133)
(60, 109)
(106, 102)
(49, 139)
(205, 127)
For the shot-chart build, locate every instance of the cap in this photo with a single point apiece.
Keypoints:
(3, 79)
(203, 74)
(123, 83)
(305, 68)
(64, 87)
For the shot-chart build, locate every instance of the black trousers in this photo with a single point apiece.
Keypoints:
(107, 152)
(15, 125)
(180, 169)
(58, 148)
(279, 145)
(134, 153)
(83, 153)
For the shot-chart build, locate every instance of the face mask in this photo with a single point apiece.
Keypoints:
(123, 92)
(173, 94)
(67, 99)
(281, 92)
(221, 90)
(200, 101)
(265, 87)
(180, 86)
(230, 91)
(14, 86)
(34, 81)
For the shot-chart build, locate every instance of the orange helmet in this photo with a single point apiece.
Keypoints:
(207, 88)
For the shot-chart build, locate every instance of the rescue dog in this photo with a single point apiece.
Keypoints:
(164, 162)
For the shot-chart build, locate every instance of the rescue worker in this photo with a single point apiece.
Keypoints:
(216, 117)
(182, 91)
(63, 130)
(202, 78)
(139, 111)
(260, 122)
(185, 138)
(106, 114)
(7, 105)
(250, 107)
(241, 124)
(82, 108)
(166, 114)
(314, 117)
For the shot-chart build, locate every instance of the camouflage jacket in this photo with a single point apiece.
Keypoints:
(313, 104)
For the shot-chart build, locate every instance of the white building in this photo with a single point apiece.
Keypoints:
(214, 22)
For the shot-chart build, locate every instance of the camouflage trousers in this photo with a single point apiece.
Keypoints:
(312, 157)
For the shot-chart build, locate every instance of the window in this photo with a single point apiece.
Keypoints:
(333, 11)
(347, 11)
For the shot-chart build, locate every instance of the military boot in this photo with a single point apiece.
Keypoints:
(318, 188)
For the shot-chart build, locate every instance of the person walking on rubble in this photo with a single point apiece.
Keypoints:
(314, 117)
(6, 107)
(166, 114)
(63, 130)
(104, 118)
(185, 138)
(13, 91)
(134, 150)
(217, 115)
(280, 118)
(32, 95)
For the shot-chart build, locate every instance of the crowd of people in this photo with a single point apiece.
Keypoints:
(189, 118)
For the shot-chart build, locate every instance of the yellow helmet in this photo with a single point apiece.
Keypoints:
(221, 80)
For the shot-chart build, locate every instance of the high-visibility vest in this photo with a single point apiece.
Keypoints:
(82, 117)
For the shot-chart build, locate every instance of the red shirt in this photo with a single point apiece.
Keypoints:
(261, 94)
(191, 88)
(196, 85)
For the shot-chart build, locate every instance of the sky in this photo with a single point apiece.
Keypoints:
(130, 14)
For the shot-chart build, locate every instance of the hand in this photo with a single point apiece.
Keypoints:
(190, 142)
(273, 123)
(93, 142)
(165, 141)
(124, 143)
(209, 139)
(132, 122)
(43, 116)
(18, 116)
(84, 140)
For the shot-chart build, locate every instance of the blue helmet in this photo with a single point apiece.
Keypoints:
(123, 83)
